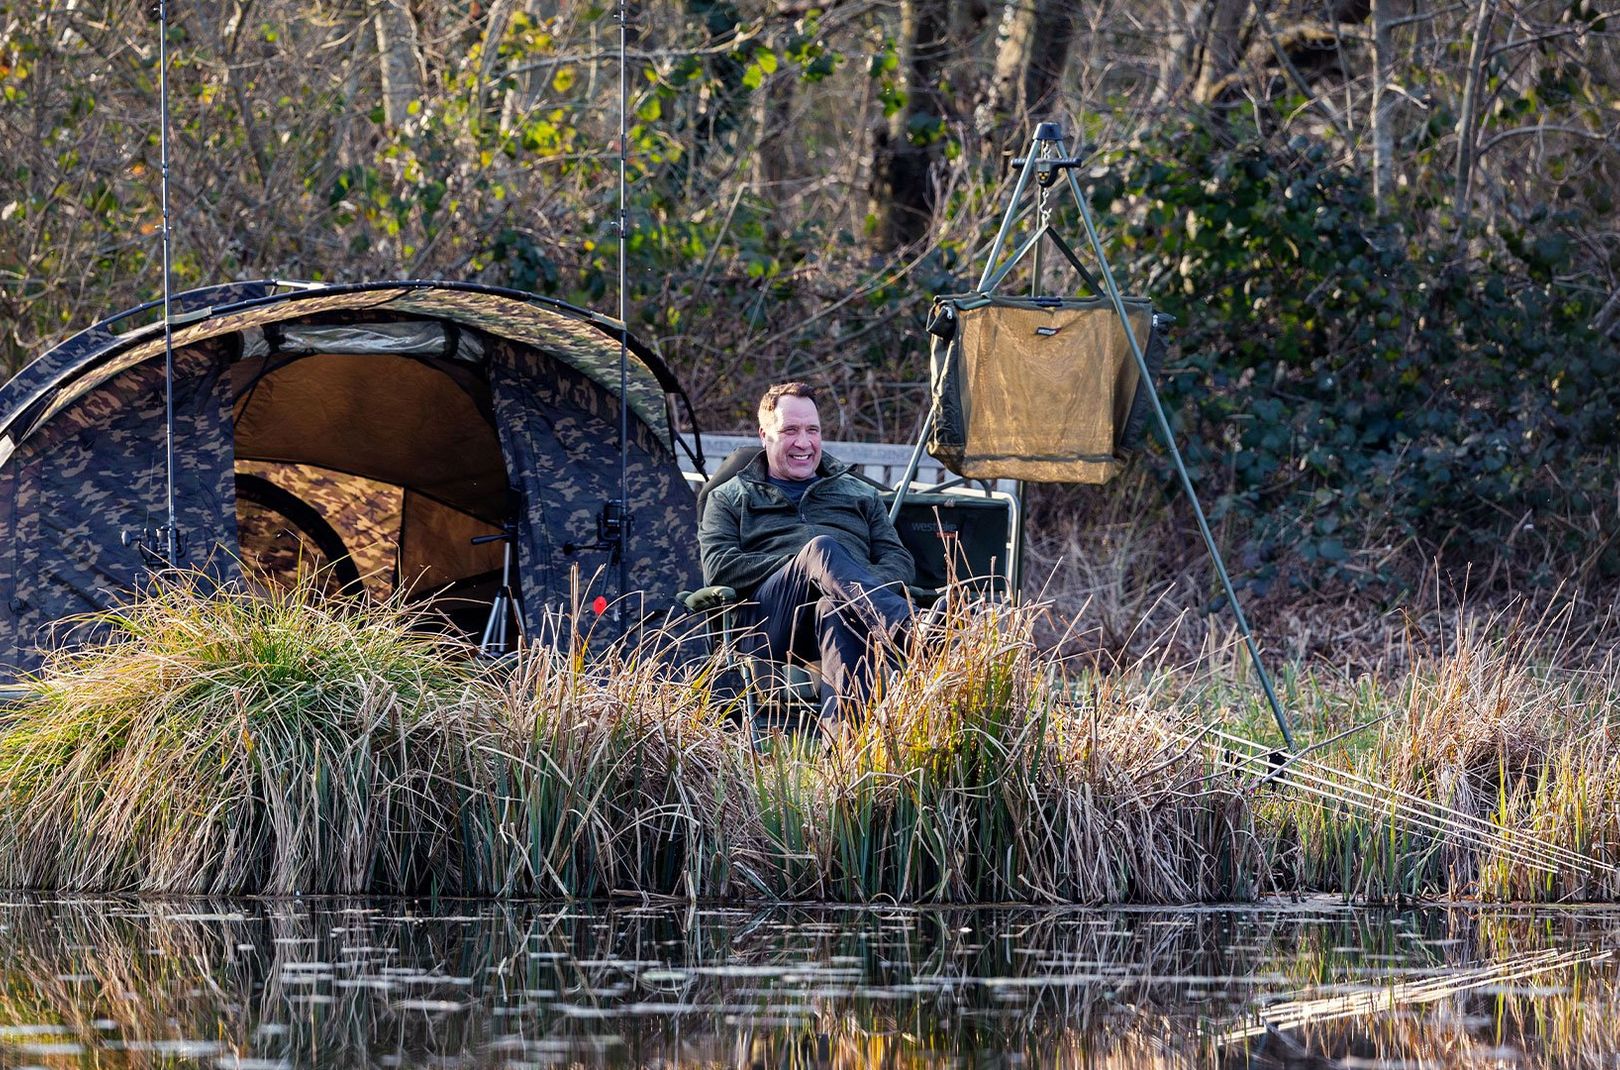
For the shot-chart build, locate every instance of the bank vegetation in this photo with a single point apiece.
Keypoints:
(209, 743)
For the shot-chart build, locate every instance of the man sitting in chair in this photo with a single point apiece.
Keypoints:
(810, 544)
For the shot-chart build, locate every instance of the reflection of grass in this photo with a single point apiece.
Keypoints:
(227, 743)
(132, 986)
(792, 987)
(1322, 1010)
(1547, 1009)
(1440, 988)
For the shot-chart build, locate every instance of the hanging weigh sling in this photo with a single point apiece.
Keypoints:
(1041, 389)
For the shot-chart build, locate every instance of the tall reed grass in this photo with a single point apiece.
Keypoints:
(220, 742)
(297, 981)
(616, 772)
(208, 741)
(983, 775)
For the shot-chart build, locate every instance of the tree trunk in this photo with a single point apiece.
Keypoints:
(1015, 36)
(906, 152)
(1032, 50)
(1222, 47)
(400, 59)
(776, 151)
(716, 117)
(525, 88)
(495, 22)
(1179, 60)
(1043, 75)
(1478, 49)
(969, 80)
(1383, 111)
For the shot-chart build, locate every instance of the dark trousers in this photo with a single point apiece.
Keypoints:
(826, 604)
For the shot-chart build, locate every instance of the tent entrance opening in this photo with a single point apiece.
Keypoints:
(383, 468)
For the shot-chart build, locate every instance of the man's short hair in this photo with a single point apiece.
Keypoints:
(767, 404)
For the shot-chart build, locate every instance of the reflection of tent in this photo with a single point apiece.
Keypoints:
(387, 423)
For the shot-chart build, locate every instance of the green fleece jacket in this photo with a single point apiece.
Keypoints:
(750, 528)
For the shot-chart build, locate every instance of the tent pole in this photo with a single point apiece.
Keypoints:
(170, 533)
(1112, 289)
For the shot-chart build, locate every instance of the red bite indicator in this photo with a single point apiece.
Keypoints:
(599, 604)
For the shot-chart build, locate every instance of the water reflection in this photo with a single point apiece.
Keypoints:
(119, 983)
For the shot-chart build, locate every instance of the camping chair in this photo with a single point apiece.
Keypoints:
(773, 693)
(956, 536)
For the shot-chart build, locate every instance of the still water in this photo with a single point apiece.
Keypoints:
(324, 983)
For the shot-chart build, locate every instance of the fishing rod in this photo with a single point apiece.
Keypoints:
(1381, 810)
(622, 533)
(1418, 813)
(1535, 854)
(1347, 780)
(170, 526)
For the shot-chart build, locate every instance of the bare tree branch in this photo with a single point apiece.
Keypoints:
(1548, 128)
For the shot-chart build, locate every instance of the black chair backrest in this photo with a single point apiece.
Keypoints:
(955, 536)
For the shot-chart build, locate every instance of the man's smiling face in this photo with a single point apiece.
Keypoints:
(792, 436)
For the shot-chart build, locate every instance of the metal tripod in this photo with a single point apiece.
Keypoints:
(493, 643)
(1048, 162)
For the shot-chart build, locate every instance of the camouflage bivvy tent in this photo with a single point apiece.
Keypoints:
(378, 429)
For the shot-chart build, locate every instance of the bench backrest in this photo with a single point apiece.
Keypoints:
(882, 461)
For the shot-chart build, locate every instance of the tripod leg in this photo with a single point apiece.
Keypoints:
(1112, 289)
(904, 486)
(488, 637)
(1011, 214)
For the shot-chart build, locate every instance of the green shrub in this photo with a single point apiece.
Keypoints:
(1348, 383)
